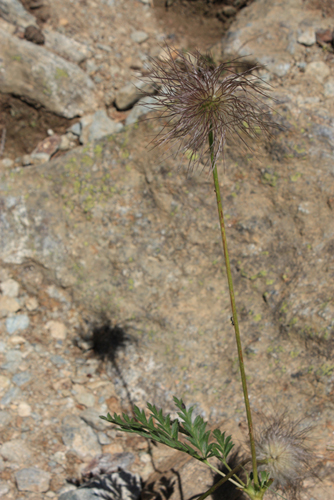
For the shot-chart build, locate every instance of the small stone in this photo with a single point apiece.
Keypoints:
(33, 479)
(75, 129)
(5, 418)
(86, 398)
(307, 37)
(18, 322)
(92, 418)
(78, 494)
(57, 360)
(21, 378)
(329, 89)
(113, 448)
(16, 340)
(57, 329)
(4, 383)
(31, 304)
(11, 395)
(34, 34)
(24, 410)
(318, 70)
(50, 131)
(26, 160)
(10, 288)
(79, 437)
(15, 450)
(103, 126)
(7, 162)
(4, 488)
(67, 142)
(142, 107)
(40, 158)
(139, 36)
(103, 438)
(8, 305)
(229, 10)
(109, 98)
(127, 96)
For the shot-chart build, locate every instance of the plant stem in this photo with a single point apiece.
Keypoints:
(222, 473)
(224, 479)
(234, 311)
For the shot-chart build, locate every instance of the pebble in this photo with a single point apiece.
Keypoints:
(10, 288)
(21, 378)
(4, 383)
(307, 37)
(56, 329)
(141, 109)
(92, 418)
(33, 479)
(79, 436)
(8, 305)
(86, 398)
(318, 70)
(7, 162)
(10, 396)
(5, 418)
(31, 304)
(18, 322)
(4, 488)
(102, 126)
(15, 450)
(26, 160)
(139, 36)
(24, 410)
(329, 89)
(75, 129)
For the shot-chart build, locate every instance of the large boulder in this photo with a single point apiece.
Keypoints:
(32, 72)
(14, 12)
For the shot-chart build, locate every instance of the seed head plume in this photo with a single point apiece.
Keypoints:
(196, 98)
(283, 444)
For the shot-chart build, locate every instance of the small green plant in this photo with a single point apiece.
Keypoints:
(202, 105)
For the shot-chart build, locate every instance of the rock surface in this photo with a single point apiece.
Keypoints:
(31, 71)
(14, 12)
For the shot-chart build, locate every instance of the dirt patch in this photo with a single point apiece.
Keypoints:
(197, 24)
(26, 126)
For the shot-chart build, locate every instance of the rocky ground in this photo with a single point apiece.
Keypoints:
(112, 283)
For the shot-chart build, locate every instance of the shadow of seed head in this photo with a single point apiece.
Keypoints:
(197, 98)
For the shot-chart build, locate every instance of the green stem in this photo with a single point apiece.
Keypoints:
(224, 479)
(234, 311)
(221, 473)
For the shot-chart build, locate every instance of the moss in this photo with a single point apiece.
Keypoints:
(17, 58)
(87, 161)
(257, 318)
(98, 150)
(295, 177)
(61, 73)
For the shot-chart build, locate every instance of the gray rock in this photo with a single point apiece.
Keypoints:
(75, 129)
(140, 109)
(318, 70)
(31, 71)
(15, 450)
(7, 162)
(66, 47)
(14, 12)
(139, 36)
(21, 378)
(127, 96)
(18, 322)
(10, 288)
(32, 479)
(103, 438)
(26, 160)
(40, 158)
(4, 488)
(78, 494)
(79, 437)
(92, 418)
(12, 395)
(58, 360)
(5, 418)
(329, 89)
(102, 126)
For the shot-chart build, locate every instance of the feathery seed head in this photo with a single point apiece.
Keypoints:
(283, 445)
(196, 99)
